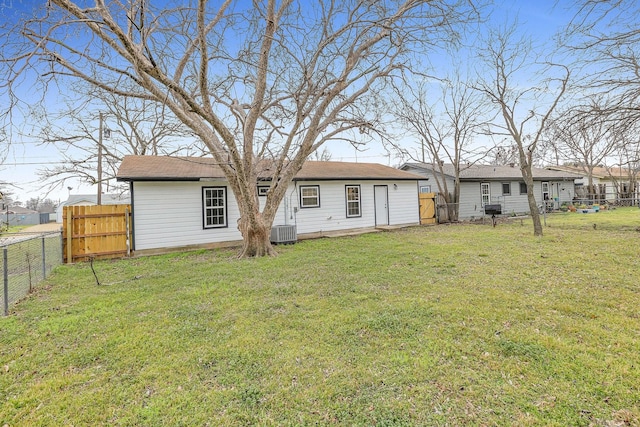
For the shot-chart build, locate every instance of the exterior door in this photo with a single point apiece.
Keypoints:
(427, 208)
(546, 197)
(545, 191)
(485, 192)
(381, 196)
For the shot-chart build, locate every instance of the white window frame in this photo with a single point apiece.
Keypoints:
(304, 199)
(353, 204)
(485, 193)
(216, 209)
(425, 189)
(546, 193)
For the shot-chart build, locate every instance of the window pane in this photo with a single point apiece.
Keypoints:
(353, 201)
(310, 196)
(523, 188)
(309, 201)
(214, 207)
(354, 208)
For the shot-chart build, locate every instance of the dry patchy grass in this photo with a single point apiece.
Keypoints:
(447, 325)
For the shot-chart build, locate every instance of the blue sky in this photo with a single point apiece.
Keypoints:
(540, 18)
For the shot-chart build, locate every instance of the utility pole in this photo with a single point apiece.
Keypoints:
(99, 198)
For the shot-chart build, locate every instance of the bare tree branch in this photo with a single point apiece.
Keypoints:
(525, 107)
(445, 126)
(276, 77)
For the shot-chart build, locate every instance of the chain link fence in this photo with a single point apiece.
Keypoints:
(619, 201)
(27, 259)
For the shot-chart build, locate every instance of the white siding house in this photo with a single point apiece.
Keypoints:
(179, 201)
(487, 184)
(615, 185)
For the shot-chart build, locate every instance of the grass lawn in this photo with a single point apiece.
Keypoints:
(13, 229)
(445, 325)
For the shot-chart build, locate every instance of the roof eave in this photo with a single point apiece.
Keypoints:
(358, 178)
(165, 179)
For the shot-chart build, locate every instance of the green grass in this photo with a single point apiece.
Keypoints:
(446, 325)
(12, 229)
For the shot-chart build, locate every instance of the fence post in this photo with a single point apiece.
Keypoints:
(69, 210)
(62, 246)
(44, 260)
(126, 227)
(5, 263)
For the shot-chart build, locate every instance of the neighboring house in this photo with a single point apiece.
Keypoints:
(91, 200)
(184, 201)
(610, 184)
(17, 215)
(486, 184)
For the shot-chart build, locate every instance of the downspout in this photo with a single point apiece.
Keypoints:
(133, 223)
(286, 211)
(294, 211)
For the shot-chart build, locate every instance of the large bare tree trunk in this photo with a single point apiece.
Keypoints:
(256, 234)
(533, 207)
(253, 224)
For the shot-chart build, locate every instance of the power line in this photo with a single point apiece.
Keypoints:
(32, 163)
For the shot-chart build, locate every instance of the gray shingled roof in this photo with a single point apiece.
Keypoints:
(163, 168)
(106, 199)
(19, 210)
(599, 172)
(489, 172)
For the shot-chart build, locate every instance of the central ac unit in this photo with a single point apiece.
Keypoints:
(283, 234)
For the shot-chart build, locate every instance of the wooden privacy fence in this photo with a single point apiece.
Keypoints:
(98, 232)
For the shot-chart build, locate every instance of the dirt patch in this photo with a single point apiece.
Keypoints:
(42, 228)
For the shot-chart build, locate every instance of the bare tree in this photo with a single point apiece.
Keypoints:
(586, 138)
(6, 196)
(131, 126)
(41, 205)
(445, 125)
(604, 35)
(321, 156)
(525, 106)
(261, 80)
(503, 154)
(627, 155)
(5, 144)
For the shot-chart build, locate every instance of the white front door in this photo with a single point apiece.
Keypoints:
(545, 191)
(382, 204)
